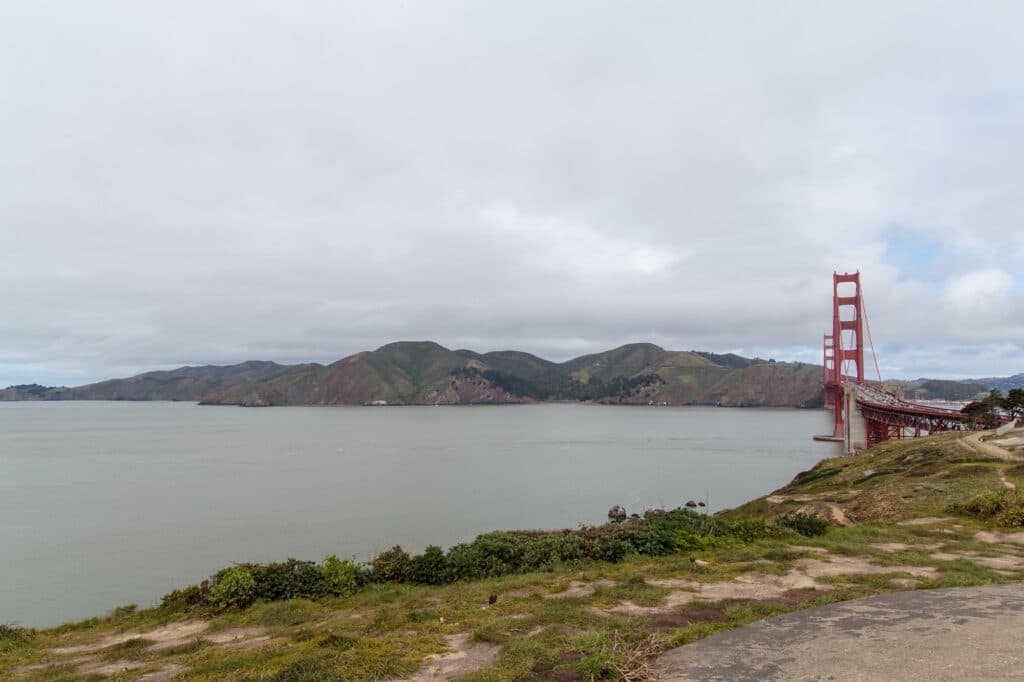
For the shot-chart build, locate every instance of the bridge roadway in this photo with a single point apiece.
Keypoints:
(872, 416)
(872, 397)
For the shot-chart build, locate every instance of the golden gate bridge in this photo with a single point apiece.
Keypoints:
(865, 414)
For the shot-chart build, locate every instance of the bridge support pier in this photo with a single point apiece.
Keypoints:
(855, 431)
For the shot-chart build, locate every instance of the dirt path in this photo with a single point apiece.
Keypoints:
(974, 442)
(1009, 485)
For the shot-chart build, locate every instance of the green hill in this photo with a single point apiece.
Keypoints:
(426, 373)
(184, 383)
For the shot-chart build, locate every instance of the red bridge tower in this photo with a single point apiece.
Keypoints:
(846, 343)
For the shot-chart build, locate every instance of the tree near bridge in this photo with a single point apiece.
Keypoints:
(1014, 402)
(986, 411)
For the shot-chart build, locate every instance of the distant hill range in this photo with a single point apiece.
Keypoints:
(945, 389)
(425, 373)
(1004, 384)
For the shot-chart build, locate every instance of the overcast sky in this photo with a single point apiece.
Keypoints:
(210, 182)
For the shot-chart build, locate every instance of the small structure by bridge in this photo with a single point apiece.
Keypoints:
(865, 414)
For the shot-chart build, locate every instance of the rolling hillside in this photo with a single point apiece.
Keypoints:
(425, 373)
(184, 383)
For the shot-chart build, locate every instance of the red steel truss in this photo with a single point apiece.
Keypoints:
(886, 422)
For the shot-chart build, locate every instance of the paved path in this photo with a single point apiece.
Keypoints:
(963, 633)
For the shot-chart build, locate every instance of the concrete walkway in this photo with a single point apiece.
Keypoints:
(963, 633)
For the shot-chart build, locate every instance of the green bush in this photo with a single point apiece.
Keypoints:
(429, 568)
(488, 556)
(547, 551)
(292, 579)
(688, 542)
(658, 542)
(689, 521)
(805, 524)
(15, 634)
(234, 588)
(185, 599)
(338, 578)
(1004, 508)
(392, 566)
(1011, 518)
(749, 530)
(614, 550)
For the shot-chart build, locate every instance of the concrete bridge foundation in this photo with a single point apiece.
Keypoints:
(855, 432)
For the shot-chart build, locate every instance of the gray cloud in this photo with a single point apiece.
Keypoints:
(211, 182)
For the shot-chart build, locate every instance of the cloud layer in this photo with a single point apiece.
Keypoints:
(212, 182)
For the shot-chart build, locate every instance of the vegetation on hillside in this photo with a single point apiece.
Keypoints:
(426, 373)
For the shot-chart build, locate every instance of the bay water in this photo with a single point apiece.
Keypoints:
(108, 503)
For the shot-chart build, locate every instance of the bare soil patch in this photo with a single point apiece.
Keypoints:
(109, 668)
(545, 670)
(1009, 485)
(901, 546)
(668, 622)
(749, 586)
(237, 636)
(577, 588)
(1005, 562)
(165, 636)
(805, 548)
(925, 521)
(996, 538)
(846, 565)
(466, 657)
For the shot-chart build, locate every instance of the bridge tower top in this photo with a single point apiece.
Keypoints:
(847, 328)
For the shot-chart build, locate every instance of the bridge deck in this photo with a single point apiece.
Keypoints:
(871, 397)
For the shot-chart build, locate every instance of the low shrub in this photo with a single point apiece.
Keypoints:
(1005, 508)
(291, 579)
(338, 578)
(613, 550)
(751, 530)
(805, 524)
(489, 555)
(121, 613)
(235, 587)
(429, 568)
(186, 599)
(690, 521)
(547, 551)
(393, 565)
(688, 542)
(658, 542)
(15, 634)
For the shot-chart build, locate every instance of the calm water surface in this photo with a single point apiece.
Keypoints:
(106, 503)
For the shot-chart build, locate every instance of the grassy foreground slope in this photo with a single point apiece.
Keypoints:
(914, 514)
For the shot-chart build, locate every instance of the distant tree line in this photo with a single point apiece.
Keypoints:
(987, 411)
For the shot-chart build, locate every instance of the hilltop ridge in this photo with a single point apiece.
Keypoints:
(426, 373)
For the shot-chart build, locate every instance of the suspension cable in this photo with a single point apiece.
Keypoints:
(867, 323)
